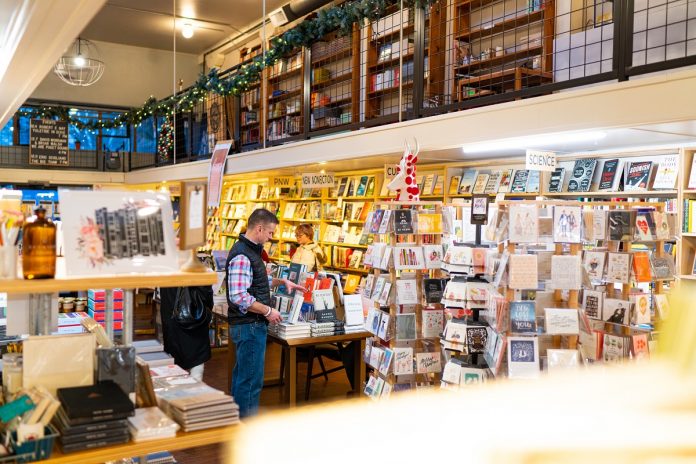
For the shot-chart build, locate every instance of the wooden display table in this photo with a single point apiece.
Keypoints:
(290, 353)
(183, 440)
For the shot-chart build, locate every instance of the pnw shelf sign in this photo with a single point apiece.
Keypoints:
(541, 160)
(48, 142)
(317, 180)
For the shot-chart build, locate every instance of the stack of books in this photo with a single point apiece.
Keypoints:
(70, 323)
(151, 352)
(289, 331)
(93, 416)
(151, 424)
(195, 405)
(96, 307)
(147, 346)
(326, 329)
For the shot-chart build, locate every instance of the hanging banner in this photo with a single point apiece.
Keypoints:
(317, 180)
(281, 182)
(541, 160)
(48, 142)
(217, 171)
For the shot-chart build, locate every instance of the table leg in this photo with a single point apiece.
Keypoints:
(358, 366)
(291, 377)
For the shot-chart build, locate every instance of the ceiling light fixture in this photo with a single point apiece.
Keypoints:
(81, 66)
(535, 141)
(187, 30)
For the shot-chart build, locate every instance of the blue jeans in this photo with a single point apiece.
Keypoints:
(247, 375)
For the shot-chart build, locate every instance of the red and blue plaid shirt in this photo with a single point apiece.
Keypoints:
(239, 279)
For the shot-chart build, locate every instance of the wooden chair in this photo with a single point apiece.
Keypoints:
(333, 351)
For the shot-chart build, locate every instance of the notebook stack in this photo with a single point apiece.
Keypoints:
(195, 405)
(70, 323)
(93, 416)
(151, 352)
(289, 331)
(151, 424)
(96, 307)
(325, 329)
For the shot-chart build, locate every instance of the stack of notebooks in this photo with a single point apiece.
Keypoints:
(151, 352)
(151, 424)
(96, 307)
(195, 405)
(288, 331)
(93, 416)
(70, 323)
(325, 329)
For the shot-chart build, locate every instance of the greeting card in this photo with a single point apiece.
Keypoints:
(524, 224)
(567, 224)
(566, 272)
(523, 272)
(619, 267)
(403, 361)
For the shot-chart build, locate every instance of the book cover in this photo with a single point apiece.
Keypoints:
(581, 177)
(592, 303)
(468, 180)
(616, 311)
(362, 186)
(637, 175)
(523, 317)
(608, 176)
(94, 401)
(567, 224)
(533, 181)
(493, 183)
(350, 186)
(641, 266)
(370, 190)
(480, 184)
(523, 357)
(556, 181)
(505, 181)
(454, 185)
(428, 185)
(439, 187)
(519, 181)
(666, 175)
(403, 221)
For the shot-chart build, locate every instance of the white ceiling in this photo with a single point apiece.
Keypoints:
(150, 23)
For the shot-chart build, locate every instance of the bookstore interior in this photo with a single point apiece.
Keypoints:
(517, 283)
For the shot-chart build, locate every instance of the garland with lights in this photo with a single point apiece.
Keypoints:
(340, 17)
(165, 141)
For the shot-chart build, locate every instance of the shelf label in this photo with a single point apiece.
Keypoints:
(281, 181)
(541, 160)
(390, 171)
(317, 180)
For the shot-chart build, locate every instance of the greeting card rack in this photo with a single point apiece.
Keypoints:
(425, 370)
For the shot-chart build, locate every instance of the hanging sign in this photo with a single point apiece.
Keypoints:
(48, 142)
(217, 171)
(317, 180)
(281, 182)
(541, 160)
(390, 171)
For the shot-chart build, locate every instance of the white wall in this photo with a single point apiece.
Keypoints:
(131, 75)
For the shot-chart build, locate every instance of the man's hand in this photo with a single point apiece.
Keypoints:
(274, 317)
(290, 286)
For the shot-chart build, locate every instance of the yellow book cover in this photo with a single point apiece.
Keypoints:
(352, 282)
(454, 185)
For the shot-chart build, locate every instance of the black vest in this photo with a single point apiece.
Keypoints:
(259, 285)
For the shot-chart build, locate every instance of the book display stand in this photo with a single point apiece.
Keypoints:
(402, 296)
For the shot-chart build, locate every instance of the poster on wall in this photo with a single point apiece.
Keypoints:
(115, 232)
(217, 171)
(48, 142)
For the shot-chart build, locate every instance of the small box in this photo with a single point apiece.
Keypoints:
(100, 316)
(101, 305)
(100, 294)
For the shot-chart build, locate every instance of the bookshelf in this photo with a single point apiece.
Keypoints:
(500, 46)
(285, 110)
(335, 80)
(686, 249)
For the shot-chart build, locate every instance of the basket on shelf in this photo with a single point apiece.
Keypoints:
(32, 450)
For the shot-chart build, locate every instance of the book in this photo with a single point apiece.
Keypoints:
(480, 184)
(562, 321)
(692, 175)
(454, 185)
(439, 187)
(505, 181)
(533, 181)
(637, 175)
(362, 186)
(523, 317)
(353, 310)
(370, 190)
(468, 180)
(666, 173)
(592, 303)
(608, 175)
(342, 187)
(428, 185)
(519, 181)
(403, 221)
(556, 180)
(102, 401)
(523, 357)
(581, 177)
(616, 311)
(493, 183)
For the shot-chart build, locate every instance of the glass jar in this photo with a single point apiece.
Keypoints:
(11, 373)
(39, 247)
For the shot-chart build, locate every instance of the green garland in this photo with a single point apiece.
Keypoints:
(341, 18)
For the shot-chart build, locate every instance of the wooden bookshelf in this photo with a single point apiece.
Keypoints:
(285, 83)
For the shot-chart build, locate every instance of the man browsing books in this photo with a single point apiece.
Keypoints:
(249, 308)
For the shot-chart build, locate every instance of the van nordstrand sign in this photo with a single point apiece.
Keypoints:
(541, 160)
(317, 180)
(48, 142)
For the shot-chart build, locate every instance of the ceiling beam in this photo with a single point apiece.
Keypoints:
(38, 33)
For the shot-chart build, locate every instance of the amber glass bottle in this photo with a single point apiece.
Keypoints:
(39, 247)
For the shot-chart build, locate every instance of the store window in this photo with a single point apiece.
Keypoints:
(117, 138)
(6, 133)
(87, 138)
(146, 136)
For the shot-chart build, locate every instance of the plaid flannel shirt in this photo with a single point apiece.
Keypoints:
(239, 279)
